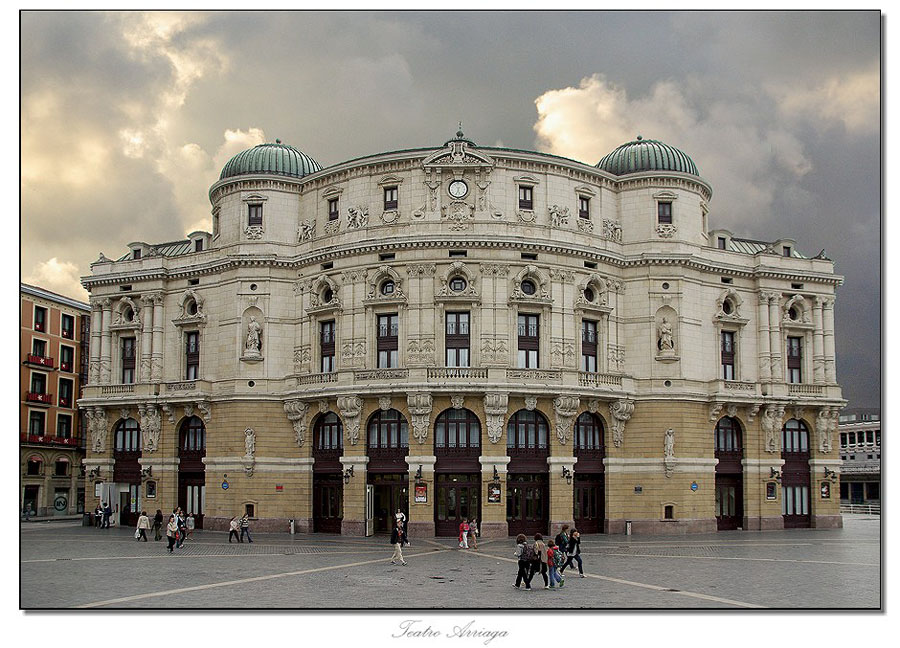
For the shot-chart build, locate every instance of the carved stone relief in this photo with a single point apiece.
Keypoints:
(565, 407)
(350, 408)
(495, 406)
(420, 406)
(620, 411)
(296, 413)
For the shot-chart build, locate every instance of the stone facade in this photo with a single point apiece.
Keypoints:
(258, 300)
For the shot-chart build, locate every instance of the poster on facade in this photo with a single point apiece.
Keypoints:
(421, 493)
(826, 490)
(770, 491)
(494, 492)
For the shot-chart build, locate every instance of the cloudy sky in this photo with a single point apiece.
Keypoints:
(127, 118)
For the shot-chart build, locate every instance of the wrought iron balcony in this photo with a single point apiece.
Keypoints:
(72, 442)
(39, 361)
(39, 397)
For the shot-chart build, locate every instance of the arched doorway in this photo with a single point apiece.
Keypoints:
(127, 472)
(589, 494)
(457, 448)
(729, 449)
(328, 485)
(387, 446)
(191, 469)
(527, 478)
(795, 477)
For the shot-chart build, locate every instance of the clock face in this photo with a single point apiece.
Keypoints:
(458, 189)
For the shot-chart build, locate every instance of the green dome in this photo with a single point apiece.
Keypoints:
(277, 158)
(647, 155)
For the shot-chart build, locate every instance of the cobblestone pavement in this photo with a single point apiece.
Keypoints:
(64, 565)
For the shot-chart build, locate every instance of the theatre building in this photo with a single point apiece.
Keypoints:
(465, 331)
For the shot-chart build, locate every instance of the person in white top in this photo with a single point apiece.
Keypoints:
(142, 525)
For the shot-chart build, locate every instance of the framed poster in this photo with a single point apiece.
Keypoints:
(825, 490)
(151, 489)
(770, 490)
(421, 493)
(494, 492)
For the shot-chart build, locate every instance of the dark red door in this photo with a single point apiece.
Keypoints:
(589, 503)
(328, 498)
(527, 504)
(729, 502)
(457, 498)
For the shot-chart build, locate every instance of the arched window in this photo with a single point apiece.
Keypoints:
(328, 432)
(128, 436)
(35, 465)
(527, 430)
(588, 432)
(457, 428)
(728, 435)
(795, 436)
(193, 435)
(387, 429)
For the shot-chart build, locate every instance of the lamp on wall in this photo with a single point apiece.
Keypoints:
(94, 474)
(829, 473)
(496, 474)
(147, 472)
(567, 474)
(348, 473)
(419, 473)
(775, 474)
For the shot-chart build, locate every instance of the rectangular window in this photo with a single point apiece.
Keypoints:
(390, 198)
(728, 355)
(66, 388)
(526, 200)
(326, 339)
(135, 254)
(36, 423)
(39, 348)
(254, 214)
(198, 245)
(720, 243)
(33, 468)
(456, 337)
(64, 426)
(68, 326)
(529, 341)
(388, 329)
(664, 213)
(40, 318)
(192, 355)
(128, 360)
(333, 209)
(61, 468)
(588, 345)
(38, 383)
(786, 250)
(584, 207)
(794, 359)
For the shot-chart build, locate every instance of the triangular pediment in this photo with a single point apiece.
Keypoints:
(457, 154)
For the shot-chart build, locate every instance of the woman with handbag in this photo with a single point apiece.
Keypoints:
(143, 524)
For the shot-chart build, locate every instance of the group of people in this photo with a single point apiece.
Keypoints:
(468, 530)
(178, 529)
(243, 524)
(101, 516)
(550, 558)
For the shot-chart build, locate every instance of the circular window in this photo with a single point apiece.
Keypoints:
(129, 315)
(792, 313)
(328, 295)
(589, 295)
(458, 284)
(668, 383)
(252, 286)
(666, 286)
(251, 383)
(727, 308)
(192, 308)
(387, 288)
(528, 287)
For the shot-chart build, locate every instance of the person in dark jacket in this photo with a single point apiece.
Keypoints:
(157, 525)
(397, 541)
(562, 539)
(524, 563)
(574, 553)
(539, 564)
(107, 513)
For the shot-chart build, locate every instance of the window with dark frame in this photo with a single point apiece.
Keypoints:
(128, 436)
(664, 213)
(36, 423)
(457, 428)
(39, 348)
(192, 437)
(66, 388)
(527, 430)
(786, 250)
(254, 214)
(386, 342)
(328, 433)
(727, 436)
(38, 383)
(66, 358)
(588, 432)
(198, 245)
(526, 197)
(794, 359)
(390, 197)
(529, 340)
(136, 254)
(728, 355)
(456, 339)
(68, 326)
(333, 209)
(589, 345)
(33, 467)
(61, 468)
(326, 340)
(40, 318)
(128, 352)
(64, 426)
(192, 355)
(387, 429)
(584, 207)
(721, 242)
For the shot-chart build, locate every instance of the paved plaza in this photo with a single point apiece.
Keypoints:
(64, 565)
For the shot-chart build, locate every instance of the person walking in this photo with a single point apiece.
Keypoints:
(574, 553)
(190, 523)
(524, 558)
(397, 541)
(562, 539)
(539, 562)
(233, 527)
(107, 513)
(464, 534)
(554, 560)
(143, 524)
(182, 528)
(98, 516)
(171, 533)
(473, 533)
(245, 528)
(157, 525)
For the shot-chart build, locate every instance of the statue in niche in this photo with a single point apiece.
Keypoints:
(249, 443)
(253, 334)
(670, 443)
(665, 342)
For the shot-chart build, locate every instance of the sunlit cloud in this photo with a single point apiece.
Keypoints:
(58, 276)
(852, 100)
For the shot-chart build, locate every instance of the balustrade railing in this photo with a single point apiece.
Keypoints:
(594, 379)
(317, 378)
(444, 373)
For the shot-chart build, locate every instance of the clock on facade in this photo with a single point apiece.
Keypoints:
(458, 189)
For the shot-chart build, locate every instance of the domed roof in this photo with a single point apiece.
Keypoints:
(277, 158)
(647, 155)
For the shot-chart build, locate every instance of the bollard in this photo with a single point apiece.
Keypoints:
(627, 527)
(292, 526)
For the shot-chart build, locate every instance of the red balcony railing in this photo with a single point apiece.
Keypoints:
(65, 401)
(41, 361)
(39, 326)
(51, 440)
(65, 366)
(68, 333)
(43, 399)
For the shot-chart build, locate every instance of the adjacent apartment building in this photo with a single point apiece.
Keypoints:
(53, 353)
(860, 437)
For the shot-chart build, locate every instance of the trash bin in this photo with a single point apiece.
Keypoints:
(86, 520)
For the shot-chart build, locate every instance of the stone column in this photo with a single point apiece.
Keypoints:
(775, 338)
(765, 359)
(156, 358)
(493, 514)
(354, 520)
(106, 342)
(828, 339)
(94, 364)
(146, 337)
(561, 491)
(421, 515)
(818, 349)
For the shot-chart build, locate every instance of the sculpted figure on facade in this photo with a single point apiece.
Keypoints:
(612, 230)
(254, 331)
(565, 407)
(350, 408)
(620, 411)
(665, 341)
(770, 421)
(249, 443)
(495, 406)
(296, 413)
(307, 231)
(357, 217)
(824, 425)
(97, 424)
(669, 452)
(420, 406)
(559, 216)
(151, 425)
